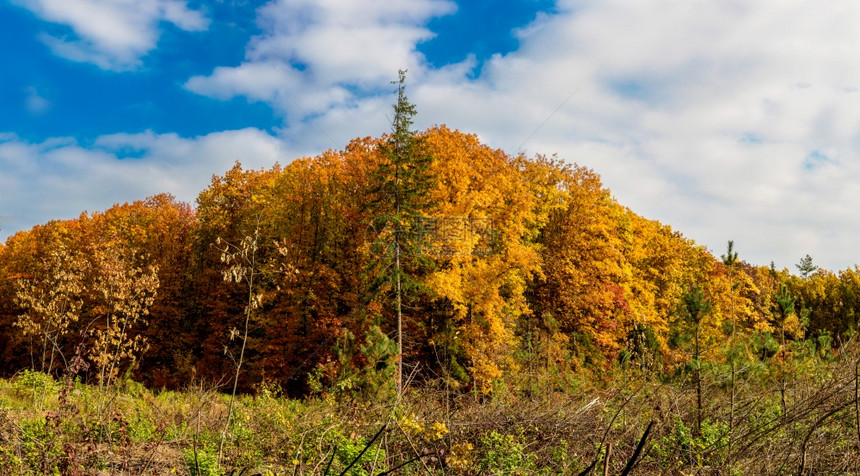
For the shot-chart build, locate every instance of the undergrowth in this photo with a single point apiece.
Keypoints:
(562, 425)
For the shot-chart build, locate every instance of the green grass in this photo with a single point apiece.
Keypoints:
(60, 427)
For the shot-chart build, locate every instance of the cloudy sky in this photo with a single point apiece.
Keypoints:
(728, 119)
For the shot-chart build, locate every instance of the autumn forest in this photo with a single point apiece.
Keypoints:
(424, 271)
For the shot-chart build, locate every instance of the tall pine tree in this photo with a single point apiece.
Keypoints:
(729, 260)
(403, 181)
(696, 307)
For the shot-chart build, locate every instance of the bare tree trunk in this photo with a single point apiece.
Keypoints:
(398, 305)
(247, 257)
(698, 386)
(238, 368)
(783, 367)
(733, 363)
(732, 412)
(856, 400)
(398, 300)
(606, 459)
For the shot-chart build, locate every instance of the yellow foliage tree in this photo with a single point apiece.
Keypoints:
(585, 272)
(485, 253)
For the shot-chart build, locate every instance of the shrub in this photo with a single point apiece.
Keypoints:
(35, 382)
(203, 463)
(504, 454)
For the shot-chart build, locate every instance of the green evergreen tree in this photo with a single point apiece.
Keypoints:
(729, 259)
(783, 310)
(403, 181)
(806, 267)
(696, 306)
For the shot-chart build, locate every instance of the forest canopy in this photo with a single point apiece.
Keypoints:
(510, 264)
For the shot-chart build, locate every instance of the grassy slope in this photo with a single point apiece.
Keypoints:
(552, 424)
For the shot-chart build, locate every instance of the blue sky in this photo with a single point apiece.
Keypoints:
(726, 120)
(47, 96)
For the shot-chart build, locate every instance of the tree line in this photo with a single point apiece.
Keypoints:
(414, 256)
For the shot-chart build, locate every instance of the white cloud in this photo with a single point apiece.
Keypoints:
(727, 120)
(314, 54)
(112, 34)
(35, 103)
(712, 74)
(60, 178)
(703, 115)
